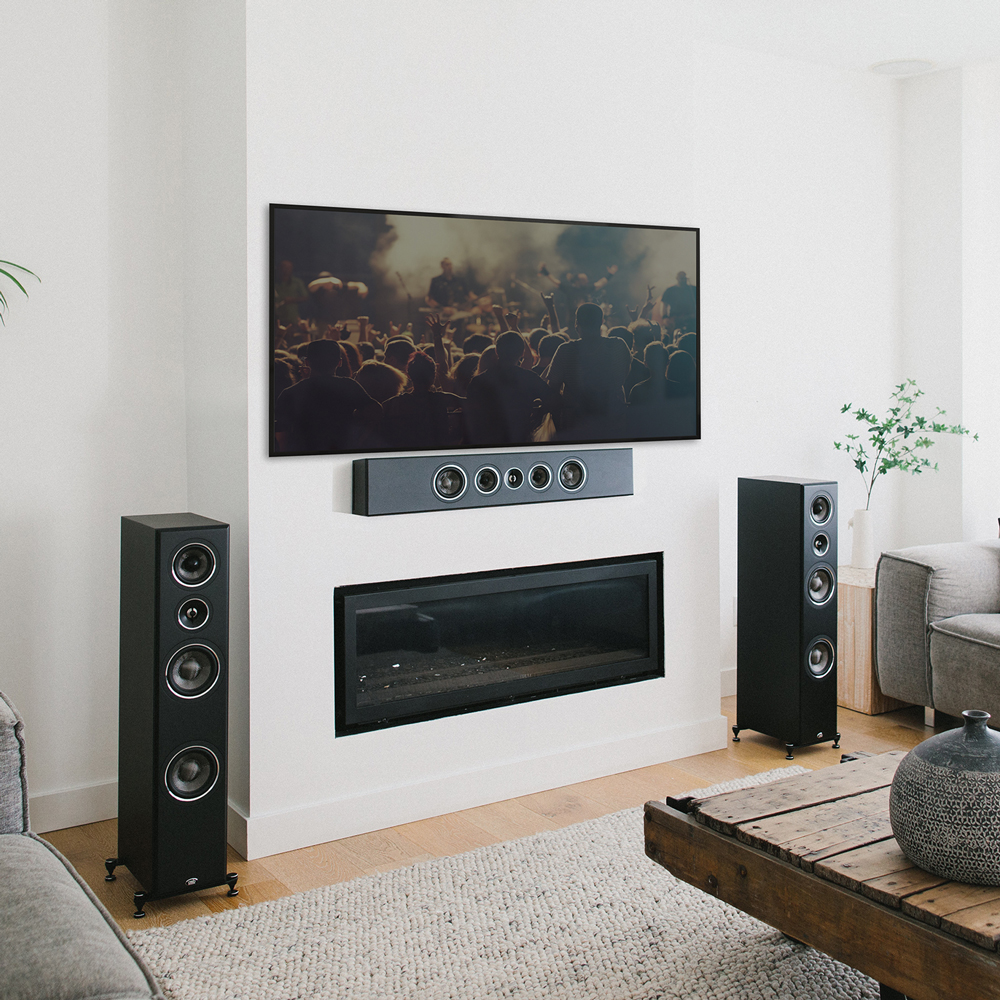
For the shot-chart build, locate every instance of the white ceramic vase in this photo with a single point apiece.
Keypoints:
(862, 540)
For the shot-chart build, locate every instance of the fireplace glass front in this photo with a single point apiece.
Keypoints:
(419, 649)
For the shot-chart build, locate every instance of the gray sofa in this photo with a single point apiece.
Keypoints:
(57, 942)
(937, 626)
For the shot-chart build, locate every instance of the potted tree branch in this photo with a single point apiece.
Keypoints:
(898, 440)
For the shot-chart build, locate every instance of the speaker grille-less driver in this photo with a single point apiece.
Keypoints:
(192, 773)
(449, 482)
(193, 565)
(192, 671)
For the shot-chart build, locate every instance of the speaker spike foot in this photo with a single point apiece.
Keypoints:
(231, 879)
(789, 747)
(836, 741)
(736, 734)
(111, 864)
(139, 899)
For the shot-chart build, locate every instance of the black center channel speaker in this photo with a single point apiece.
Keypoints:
(786, 654)
(173, 705)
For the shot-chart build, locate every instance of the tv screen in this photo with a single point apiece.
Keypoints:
(403, 331)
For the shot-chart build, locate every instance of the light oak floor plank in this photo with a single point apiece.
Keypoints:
(454, 833)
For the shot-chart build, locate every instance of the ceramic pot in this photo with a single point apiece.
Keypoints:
(862, 539)
(944, 805)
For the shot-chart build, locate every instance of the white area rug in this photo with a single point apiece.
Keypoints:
(574, 914)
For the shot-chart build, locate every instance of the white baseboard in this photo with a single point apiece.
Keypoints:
(729, 682)
(317, 823)
(73, 806)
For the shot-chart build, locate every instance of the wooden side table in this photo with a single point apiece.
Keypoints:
(857, 687)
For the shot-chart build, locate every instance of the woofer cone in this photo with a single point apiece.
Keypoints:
(193, 565)
(821, 544)
(487, 480)
(192, 671)
(572, 474)
(191, 773)
(540, 477)
(821, 508)
(820, 585)
(193, 613)
(450, 483)
(820, 657)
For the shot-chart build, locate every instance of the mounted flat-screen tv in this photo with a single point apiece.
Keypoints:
(404, 331)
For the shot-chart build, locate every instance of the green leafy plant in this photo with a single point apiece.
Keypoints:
(898, 440)
(4, 264)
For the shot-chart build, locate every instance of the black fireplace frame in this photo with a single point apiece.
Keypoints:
(351, 719)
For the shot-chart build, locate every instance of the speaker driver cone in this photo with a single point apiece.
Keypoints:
(540, 477)
(449, 482)
(821, 508)
(192, 671)
(820, 586)
(819, 658)
(193, 565)
(191, 773)
(487, 480)
(572, 474)
(821, 544)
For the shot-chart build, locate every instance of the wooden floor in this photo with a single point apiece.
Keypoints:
(283, 874)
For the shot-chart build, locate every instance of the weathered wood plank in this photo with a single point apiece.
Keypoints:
(891, 890)
(852, 868)
(864, 830)
(978, 924)
(774, 833)
(934, 904)
(918, 960)
(727, 811)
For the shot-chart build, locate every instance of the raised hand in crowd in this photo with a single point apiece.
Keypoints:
(501, 319)
(647, 307)
(550, 305)
(513, 320)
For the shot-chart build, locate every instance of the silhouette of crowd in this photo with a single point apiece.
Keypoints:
(341, 385)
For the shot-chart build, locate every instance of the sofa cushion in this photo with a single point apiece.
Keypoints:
(57, 941)
(920, 585)
(13, 785)
(965, 656)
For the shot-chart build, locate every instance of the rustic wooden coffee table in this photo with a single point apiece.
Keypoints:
(813, 855)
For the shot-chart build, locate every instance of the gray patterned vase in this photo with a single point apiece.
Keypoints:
(944, 806)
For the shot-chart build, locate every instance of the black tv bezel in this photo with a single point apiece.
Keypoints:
(276, 206)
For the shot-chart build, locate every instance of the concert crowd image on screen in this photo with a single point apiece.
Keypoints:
(405, 331)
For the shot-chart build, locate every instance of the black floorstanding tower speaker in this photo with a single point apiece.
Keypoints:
(173, 705)
(786, 656)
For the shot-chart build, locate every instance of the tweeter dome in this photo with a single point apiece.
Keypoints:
(410, 484)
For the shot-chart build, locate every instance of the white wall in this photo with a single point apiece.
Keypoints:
(790, 172)
(92, 376)
(980, 316)
(142, 145)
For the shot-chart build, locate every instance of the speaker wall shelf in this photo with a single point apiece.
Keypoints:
(445, 482)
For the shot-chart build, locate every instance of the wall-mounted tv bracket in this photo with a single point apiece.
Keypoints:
(410, 484)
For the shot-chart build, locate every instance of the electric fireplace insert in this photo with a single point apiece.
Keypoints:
(412, 650)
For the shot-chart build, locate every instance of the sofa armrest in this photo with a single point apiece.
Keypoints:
(13, 778)
(920, 585)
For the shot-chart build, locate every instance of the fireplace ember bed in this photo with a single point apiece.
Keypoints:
(411, 650)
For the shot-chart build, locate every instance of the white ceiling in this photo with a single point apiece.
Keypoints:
(850, 34)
